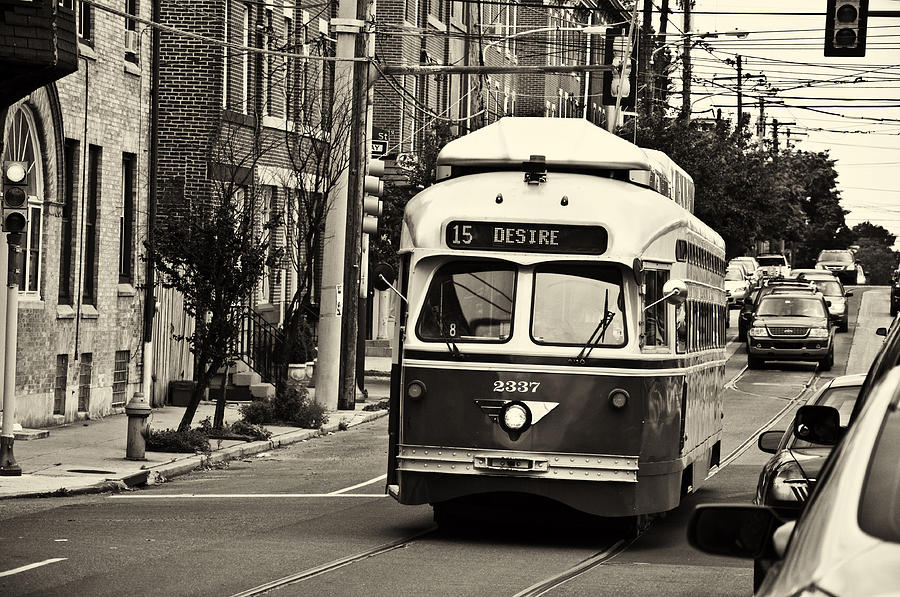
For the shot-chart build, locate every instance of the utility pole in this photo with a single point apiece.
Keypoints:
(686, 65)
(761, 127)
(340, 266)
(8, 465)
(740, 97)
(646, 76)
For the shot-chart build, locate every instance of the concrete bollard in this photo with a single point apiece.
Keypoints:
(138, 411)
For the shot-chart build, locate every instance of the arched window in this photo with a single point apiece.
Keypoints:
(21, 145)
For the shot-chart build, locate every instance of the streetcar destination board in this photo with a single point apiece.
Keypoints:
(539, 238)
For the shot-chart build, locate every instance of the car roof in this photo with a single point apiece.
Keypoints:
(794, 294)
(845, 381)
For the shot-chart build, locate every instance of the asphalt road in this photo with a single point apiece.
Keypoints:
(312, 519)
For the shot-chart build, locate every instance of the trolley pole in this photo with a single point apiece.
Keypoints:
(8, 466)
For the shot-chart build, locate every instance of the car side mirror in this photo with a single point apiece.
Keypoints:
(769, 441)
(827, 303)
(848, 293)
(818, 424)
(736, 530)
(881, 332)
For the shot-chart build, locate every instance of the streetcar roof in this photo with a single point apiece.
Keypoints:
(563, 142)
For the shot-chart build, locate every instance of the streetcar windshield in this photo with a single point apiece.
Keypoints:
(469, 301)
(570, 300)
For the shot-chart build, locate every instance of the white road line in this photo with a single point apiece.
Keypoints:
(188, 496)
(358, 485)
(31, 566)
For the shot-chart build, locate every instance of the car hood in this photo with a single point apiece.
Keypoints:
(835, 263)
(735, 285)
(787, 322)
(871, 570)
(811, 459)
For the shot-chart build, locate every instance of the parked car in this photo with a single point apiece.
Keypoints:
(752, 267)
(842, 263)
(895, 292)
(835, 296)
(737, 285)
(847, 540)
(791, 326)
(774, 266)
(750, 303)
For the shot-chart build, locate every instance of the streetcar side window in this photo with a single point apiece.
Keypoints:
(577, 303)
(655, 333)
(469, 301)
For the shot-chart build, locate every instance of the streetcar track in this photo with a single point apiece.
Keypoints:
(548, 584)
(332, 565)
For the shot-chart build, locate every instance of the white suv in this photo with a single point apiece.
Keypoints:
(774, 266)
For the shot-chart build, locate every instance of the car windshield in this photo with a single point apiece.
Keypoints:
(469, 301)
(842, 399)
(838, 256)
(571, 299)
(772, 260)
(879, 506)
(829, 287)
(791, 306)
(734, 274)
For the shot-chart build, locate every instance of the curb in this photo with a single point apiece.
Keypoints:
(162, 472)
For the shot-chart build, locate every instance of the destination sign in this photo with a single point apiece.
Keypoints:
(538, 238)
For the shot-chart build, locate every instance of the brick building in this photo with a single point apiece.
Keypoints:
(84, 138)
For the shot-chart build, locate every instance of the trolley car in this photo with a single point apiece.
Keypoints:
(564, 325)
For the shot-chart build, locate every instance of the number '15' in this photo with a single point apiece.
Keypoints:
(462, 234)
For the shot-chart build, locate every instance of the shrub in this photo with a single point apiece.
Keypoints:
(291, 406)
(172, 440)
(250, 430)
(258, 412)
(381, 405)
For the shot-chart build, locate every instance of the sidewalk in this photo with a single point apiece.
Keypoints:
(89, 456)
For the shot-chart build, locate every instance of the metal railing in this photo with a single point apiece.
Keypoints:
(260, 346)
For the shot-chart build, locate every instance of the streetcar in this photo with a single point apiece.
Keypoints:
(562, 332)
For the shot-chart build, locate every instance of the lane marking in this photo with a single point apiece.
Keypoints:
(578, 569)
(358, 485)
(332, 565)
(188, 496)
(31, 566)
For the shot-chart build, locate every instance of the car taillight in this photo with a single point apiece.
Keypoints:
(790, 484)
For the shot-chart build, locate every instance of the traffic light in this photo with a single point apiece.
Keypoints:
(619, 82)
(15, 196)
(845, 27)
(374, 188)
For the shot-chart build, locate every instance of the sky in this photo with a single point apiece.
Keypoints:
(856, 100)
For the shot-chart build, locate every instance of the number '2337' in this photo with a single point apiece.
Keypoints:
(516, 386)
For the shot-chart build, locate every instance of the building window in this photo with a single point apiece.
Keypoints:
(126, 220)
(131, 33)
(89, 284)
(59, 387)
(85, 373)
(85, 22)
(21, 146)
(245, 66)
(267, 61)
(120, 377)
(288, 67)
(67, 238)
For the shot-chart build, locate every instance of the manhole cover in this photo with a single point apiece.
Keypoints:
(88, 471)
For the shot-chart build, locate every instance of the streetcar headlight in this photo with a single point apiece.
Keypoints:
(818, 332)
(618, 398)
(515, 416)
(758, 332)
(415, 389)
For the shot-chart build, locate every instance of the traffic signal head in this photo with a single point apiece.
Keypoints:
(372, 205)
(845, 27)
(15, 197)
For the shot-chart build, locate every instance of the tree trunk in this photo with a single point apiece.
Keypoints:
(199, 389)
(219, 416)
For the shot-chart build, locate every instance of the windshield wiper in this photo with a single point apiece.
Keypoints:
(597, 335)
(448, 340)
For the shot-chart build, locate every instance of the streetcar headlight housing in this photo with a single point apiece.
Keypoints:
(818, 332)
(515, 416)
(618, 398)
(757, 331)
(415, 389)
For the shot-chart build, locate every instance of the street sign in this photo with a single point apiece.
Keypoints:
(379, 142)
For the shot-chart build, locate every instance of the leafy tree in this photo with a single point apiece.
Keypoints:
(875, 253)
(214, 252)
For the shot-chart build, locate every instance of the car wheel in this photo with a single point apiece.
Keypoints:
(754, 363)
(893, 308)
(759, 574)
(828, 362)
(844, 326)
